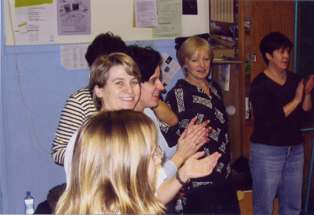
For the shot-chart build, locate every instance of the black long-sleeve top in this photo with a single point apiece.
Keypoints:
(188, 101)
(268, 98)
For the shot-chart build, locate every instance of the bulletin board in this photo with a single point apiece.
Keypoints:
(116, 16)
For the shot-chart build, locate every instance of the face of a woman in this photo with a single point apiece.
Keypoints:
(121, 91)
(279, 59)
(151, 89)
(197, 67)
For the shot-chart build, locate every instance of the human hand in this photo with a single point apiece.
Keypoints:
(196, 167)
(309, 85)
(299, 91)
(192, 138)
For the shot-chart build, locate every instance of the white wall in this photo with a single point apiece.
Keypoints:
(117, 16)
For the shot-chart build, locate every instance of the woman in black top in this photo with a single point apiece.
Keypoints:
(279, 99)
(198, 96)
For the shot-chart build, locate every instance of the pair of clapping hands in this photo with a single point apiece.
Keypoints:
(196, 164)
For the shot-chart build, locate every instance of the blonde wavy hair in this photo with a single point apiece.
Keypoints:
(190, 46)
(110, 167)
(100, 71)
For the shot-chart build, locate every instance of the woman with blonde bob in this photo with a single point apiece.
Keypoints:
(116, 158)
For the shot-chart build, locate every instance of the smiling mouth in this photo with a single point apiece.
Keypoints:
(127, 99)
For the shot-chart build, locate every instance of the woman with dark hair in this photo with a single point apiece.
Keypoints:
(279, 99)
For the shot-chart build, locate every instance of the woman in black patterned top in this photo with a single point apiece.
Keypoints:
(198, 96)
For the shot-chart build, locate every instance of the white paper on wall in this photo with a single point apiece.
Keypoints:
(145, 13)
(73, 57)
(35, 24)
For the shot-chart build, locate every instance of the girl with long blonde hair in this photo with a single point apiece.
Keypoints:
(116, 157)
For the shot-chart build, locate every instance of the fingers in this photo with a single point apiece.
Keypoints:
(192, 122)
(309, 84)
(194, 126)
(198, 155)
(196, 166)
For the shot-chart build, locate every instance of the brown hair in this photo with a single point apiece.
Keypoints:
(101, 66)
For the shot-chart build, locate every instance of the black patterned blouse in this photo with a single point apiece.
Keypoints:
(187, 101)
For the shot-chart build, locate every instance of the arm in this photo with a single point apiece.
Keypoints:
(293, 104)
(165, 114)
(71, 119)
(194, 167)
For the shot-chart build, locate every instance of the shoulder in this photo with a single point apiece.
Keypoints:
(151, 114)
(82, 97)
(259, 79)
(81, 100)
(148, 112)
(181, 83)
(83, 93)
(259, 85)
(179, 86)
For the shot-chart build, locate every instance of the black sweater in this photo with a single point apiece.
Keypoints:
(271, 127)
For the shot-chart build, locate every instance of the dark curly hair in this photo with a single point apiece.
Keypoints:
(104, 44)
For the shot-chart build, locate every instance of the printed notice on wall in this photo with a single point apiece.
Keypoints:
(145, 13)
(73, 57)
(169, 18)
(74, 17)
(35, 22)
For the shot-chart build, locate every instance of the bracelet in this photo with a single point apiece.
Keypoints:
(180, 180)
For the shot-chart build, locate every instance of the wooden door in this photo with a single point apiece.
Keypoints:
(267, 16)
(263, 16)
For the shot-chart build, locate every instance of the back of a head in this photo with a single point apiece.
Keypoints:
(146, 58)
(104, 44)
(110, 171)
(274, 41)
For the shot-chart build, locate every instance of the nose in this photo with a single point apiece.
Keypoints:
(160, 86)
(286, 54)
(129, 88)
(202, 64)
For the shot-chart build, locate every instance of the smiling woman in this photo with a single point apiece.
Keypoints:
(115, 82)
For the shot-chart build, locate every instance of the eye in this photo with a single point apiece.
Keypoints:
(153, 80)
(134, 82)
(119, 83)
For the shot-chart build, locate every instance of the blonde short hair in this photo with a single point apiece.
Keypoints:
(110, 166)
(100, 71)
(190, 46)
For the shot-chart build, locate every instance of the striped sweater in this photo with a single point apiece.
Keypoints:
(78, 108)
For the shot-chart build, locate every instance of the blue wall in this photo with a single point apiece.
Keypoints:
(34, 87)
